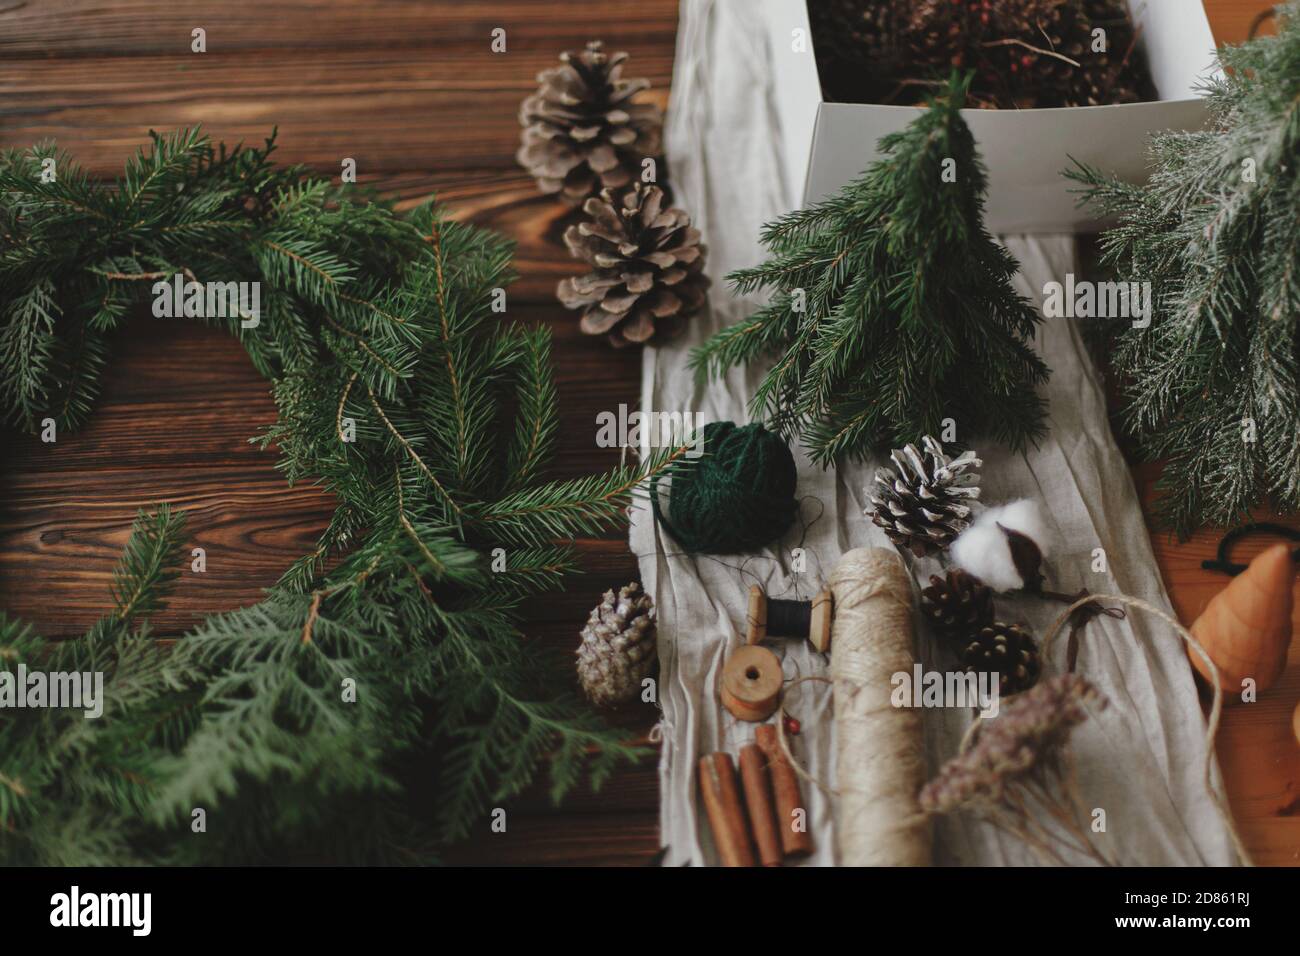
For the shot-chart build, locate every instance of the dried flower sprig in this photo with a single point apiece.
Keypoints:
(1018, 761)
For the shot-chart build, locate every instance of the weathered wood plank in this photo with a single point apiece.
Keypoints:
(610, 839)
(138, 28)
(408, 110)
(179, 393)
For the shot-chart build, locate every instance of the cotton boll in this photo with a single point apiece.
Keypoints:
(1026, 517)
(982, 550)
(1005, 546)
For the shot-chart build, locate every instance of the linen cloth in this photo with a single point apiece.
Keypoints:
(1140, 759)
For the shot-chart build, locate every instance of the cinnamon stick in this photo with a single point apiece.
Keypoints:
(721, 796)
(791, 815)
(758, 799)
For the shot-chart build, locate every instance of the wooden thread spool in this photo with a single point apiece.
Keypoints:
(751, 683)
(776, 618)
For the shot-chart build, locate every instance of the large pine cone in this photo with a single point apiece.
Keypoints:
(648, 277)
(618, 647)
(958, 605)
(581, 130)
(921, 503)
(1007, 650)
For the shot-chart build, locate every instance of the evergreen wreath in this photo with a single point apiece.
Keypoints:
(891, 306)
(366, 317)
(1212, 386)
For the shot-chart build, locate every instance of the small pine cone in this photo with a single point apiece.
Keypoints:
(618, 647)
(957, 606)
(581, 130)
(921, 503)
(1006, 650)
(648, 275)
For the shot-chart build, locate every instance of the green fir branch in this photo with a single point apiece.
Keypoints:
(149, 564)
(1211, 386)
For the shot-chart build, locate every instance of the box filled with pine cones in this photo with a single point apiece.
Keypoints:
(1051, 81)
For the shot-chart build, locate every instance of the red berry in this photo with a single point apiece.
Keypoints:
(792, 726)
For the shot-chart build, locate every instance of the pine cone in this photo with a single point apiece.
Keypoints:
(582, 132)
(921, 502)
(1006, 650)
(858, 45)
(958, 605)
(1065, 27)
(618, 647)
(938, 34)
(648, 276)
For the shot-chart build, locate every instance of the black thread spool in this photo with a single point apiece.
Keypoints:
(810, 620)
(788, 618)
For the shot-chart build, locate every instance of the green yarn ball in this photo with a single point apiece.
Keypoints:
(737, 496)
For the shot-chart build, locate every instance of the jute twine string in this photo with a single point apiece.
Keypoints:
(880, 749)
(1216, 710)
(785, 744)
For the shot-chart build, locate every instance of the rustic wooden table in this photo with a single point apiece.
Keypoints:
(412, 91)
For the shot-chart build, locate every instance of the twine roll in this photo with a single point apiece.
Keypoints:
(880, 748)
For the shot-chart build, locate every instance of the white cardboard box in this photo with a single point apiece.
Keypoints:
(828, 144)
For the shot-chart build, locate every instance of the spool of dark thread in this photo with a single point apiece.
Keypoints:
(774, 617)
(788, 618)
